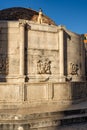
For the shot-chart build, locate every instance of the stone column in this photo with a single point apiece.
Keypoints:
(22, 42)
(83, 59)
(61, 54)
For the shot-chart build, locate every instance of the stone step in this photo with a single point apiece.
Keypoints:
(12, 119)
(42, 120)
(41, 124)
(14, 127)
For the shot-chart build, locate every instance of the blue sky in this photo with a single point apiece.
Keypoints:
(70, 13)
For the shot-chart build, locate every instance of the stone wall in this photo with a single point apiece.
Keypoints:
(40, 58)
(75, 56)
(40, 93)
(9, 49)
(25, 47)
(39, 52)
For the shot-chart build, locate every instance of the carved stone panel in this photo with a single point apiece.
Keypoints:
(74, 68)
(3, 64)
(44, 66)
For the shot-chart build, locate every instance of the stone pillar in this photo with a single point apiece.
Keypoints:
(61, 54)
(22, 42)
(83, 60)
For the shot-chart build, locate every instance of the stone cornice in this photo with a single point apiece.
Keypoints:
(61, 27)
(22, 22)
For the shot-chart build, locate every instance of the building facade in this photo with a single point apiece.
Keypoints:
(40, 62)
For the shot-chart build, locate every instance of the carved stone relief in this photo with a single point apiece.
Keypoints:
(74, 69)
(3, 64)
(44, 66)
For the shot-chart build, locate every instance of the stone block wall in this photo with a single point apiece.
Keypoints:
(39, 52)
(35, 62)
(9, 48)
(24, 47)
(31, 94)
(75, 56)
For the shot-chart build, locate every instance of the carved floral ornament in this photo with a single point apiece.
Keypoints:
(44, 66)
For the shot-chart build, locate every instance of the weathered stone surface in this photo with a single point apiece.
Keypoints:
(42, 71)
(41, 54)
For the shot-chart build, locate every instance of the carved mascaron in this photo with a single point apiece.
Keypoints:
(74, 69)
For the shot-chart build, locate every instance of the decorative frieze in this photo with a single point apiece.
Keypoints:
(45, 123)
